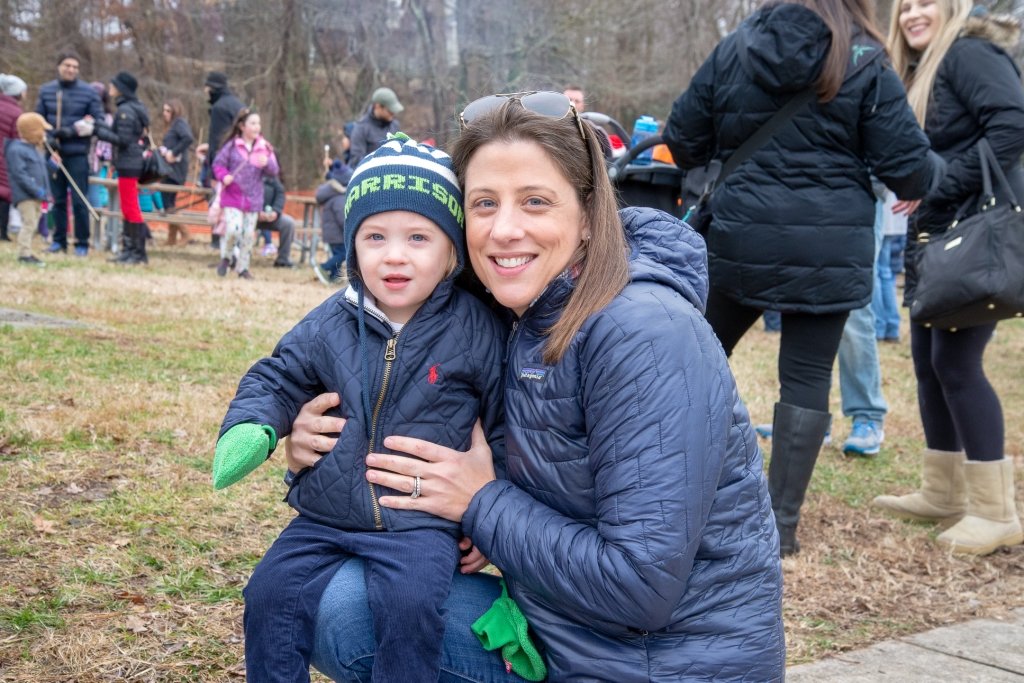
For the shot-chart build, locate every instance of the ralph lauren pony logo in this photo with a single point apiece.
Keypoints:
(432, 375)
(533, 374)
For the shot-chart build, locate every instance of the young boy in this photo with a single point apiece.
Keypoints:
(26, 168)
(410, 354)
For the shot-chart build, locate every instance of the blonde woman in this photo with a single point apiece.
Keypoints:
(962, 86)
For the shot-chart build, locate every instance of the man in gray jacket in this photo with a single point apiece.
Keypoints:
(379, 120)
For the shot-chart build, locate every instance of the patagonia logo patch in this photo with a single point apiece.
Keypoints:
(533, 374)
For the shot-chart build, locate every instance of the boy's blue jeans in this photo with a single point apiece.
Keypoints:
(344, 647)
(333, 264)
(407, 578)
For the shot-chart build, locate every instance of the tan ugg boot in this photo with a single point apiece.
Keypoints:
(943, 495)
(991, 520)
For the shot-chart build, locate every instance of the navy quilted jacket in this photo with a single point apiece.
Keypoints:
(77, 99)
(635, 529)
(431, 381)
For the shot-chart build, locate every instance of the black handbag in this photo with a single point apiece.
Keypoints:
(973, 273)
(700, 182)
(154, 166)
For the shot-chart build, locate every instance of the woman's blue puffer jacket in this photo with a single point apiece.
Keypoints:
(635, 529)
(444, 373)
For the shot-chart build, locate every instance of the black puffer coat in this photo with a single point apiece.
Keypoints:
(977, 93)
(126, 133)
(793, 225)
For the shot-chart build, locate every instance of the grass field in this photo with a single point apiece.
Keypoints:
(120, 562)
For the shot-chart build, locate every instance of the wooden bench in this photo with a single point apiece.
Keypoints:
(108, 233)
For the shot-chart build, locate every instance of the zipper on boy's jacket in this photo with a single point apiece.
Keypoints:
(390, 353)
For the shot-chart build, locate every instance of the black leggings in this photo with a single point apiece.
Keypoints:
(959, 408)
(807, 349)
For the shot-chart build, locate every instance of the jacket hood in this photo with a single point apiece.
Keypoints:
(783, 47)
(665, 250)
(1002, 30)
(332, 188)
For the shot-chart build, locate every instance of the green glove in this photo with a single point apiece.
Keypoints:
(504, 626)
(242, 449)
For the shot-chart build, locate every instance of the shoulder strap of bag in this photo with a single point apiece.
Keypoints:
(990, 165)
(765, 132)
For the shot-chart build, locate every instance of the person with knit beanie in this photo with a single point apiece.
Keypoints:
(131, 120)
(409, 354)
(26, 168)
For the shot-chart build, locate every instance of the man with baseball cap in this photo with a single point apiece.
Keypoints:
(379, 120)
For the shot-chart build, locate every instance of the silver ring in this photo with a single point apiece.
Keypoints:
(415, 488)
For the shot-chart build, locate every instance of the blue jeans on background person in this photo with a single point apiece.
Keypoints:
(883, 300)
(344, 644)
(860, 375)
(772, 321)
(333, 264)
(406, 582)
(78, 168)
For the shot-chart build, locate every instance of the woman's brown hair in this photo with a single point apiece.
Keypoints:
(601, 260)
(176, 107)
(236, 125)
(840, 16)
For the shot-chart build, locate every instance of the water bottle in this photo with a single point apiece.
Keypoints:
(644, 127)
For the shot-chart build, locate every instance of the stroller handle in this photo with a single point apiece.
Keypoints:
(605, 120)
(616, 169)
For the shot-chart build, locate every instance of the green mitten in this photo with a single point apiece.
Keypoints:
(504, 626)
(241, 450)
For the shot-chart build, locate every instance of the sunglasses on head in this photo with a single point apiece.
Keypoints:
(546, 103)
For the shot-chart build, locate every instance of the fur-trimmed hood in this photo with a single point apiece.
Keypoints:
(1000, 29)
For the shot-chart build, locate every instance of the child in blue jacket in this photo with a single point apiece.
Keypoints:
(409, 354)
(26, 169)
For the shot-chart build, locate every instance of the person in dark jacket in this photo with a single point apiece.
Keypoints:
(29, 186)
(12, 89)
(174, 147)
(69, 105)
(635, 529)
(131, 121)
(793, 226)
(331, 198)
(963, 86)
(371, 130)
(273, 217)
(224, 107)
(411, 354)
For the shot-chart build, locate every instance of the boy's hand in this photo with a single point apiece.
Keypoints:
(242, 449)
(472, 559)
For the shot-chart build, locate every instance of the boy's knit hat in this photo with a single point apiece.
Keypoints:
(403, 175)
(32, 127)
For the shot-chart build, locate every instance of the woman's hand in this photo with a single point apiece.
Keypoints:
(907, 206)
(448, 479)
(308, 440)
(228, 179)
(473, 560)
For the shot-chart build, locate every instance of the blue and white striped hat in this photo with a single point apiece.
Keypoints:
(404, 175)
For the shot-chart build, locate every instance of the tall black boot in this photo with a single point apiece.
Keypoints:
(139, 234)
(126, 243)
(797, 435)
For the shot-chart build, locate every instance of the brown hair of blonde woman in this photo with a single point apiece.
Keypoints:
(600, 261)
(919, 79)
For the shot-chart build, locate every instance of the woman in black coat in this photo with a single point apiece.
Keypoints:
(792, 227)
(175, 146)
(131, 121)
(962, 86)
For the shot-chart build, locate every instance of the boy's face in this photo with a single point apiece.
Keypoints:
(402, 256)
